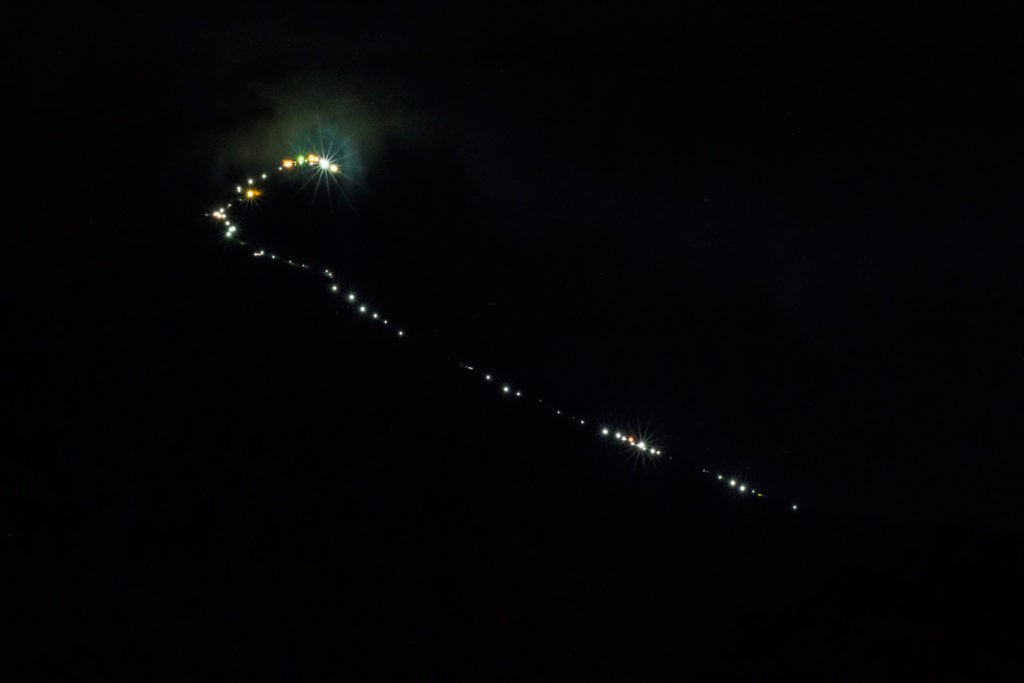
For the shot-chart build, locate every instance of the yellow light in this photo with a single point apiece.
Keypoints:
(252, 193)
(313, 159)
(334, 168)
(287, 163)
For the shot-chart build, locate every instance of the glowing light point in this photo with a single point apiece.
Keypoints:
(287, 163)
(325, 164)
(519, 393)
(506, 389)
(312, 159)
(334, 288)
(719, 477)
(238, 188)
(362, 309)
(794, 506)
(641, 445)
(582, 422)
(742, 488)
(351, 297)
(618, 435)
(334, 168)
(401, 334)
(264, 176)
(374, 316)
(732, 482)
(487, 377)
(604, 431)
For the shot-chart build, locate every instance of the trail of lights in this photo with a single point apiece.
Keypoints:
(252, 190)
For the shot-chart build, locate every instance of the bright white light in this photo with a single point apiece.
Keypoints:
(250, 181)
(401, 334)
(264, 176)
(641, 445)
(519, 393)
(325, 164)
(794, 506)
(618, 435)
(487, 377)
(742, 487)
(582, 422)
(351, 297)
(374, 316)
(238, 188)
(719, 477)
(334, 288)
(506, 389)
(732, 482)
(604, 431)
(362, 309)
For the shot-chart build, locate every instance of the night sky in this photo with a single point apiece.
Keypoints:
(774, 241)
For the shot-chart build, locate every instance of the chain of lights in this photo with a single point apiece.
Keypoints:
(252, 190)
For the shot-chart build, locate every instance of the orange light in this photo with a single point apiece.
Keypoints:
(313, 159)
(287, 163)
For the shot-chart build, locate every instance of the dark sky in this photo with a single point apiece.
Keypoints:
(772, 239)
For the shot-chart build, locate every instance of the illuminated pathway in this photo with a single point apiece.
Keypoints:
(320, 167)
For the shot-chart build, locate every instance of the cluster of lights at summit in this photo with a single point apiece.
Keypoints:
(250, 193)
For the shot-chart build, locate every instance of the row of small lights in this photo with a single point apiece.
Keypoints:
(604, 431)
(744, 488)
(250, 192)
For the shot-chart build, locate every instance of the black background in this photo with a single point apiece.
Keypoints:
(775, 240)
